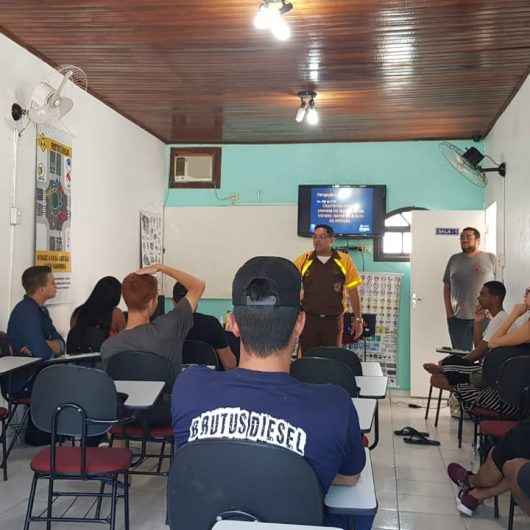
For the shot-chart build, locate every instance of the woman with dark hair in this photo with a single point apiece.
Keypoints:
(97, 319)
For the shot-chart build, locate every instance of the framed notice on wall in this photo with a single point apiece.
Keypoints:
(53, 181)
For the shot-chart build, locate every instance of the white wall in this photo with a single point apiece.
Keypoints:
(509, 142)
(118, 169)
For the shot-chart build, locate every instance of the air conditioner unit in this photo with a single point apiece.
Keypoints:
(193, 168)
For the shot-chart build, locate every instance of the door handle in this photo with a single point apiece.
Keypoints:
(416, 298)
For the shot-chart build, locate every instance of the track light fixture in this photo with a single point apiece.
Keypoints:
(270, 16)
(307, 109)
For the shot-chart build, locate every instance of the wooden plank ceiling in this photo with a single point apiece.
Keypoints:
(198, 70)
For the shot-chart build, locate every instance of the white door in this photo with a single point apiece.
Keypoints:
(435, 237)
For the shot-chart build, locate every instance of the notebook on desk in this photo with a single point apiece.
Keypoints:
(452, 351)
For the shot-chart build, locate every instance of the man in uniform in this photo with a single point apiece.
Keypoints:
(326, 274)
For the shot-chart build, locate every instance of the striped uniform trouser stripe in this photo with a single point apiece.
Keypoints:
(486, 398)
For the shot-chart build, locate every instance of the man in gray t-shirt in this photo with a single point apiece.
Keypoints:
(464, 276)
(165, 335)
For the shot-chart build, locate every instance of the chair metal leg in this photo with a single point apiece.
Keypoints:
(428, 402)
(18, 430)
(460, 426)
(439, 404)
(50, 503)
(126, 500)
(100, 499)
(4, 449)
(31, 499)
(512, 510)
(113, 502)
(163, 448)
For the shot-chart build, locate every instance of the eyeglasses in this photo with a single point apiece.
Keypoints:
(321, 238)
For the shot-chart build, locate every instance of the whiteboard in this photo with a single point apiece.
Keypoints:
(213, 242)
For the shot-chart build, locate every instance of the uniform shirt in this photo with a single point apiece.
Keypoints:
(318, 422)
(164, 336)
(494, 325)
(466, 275)
(324, 283)
(30, 326)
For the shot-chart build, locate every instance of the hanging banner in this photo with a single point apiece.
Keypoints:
(380, 296)
(53, 179)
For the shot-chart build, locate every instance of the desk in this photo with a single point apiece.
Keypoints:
(373, 387)
(354, 500)
(141, 394)
(245, 525)
(95, 356)
(366, 409)
(11, 363)
(372, 368)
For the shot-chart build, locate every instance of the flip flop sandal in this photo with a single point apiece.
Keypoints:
(410, 431)
(420, 440)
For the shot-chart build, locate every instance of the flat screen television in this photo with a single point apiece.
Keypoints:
(353, 211)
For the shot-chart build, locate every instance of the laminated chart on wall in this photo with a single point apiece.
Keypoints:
(53, 181)
(151, 238)
(380, 295)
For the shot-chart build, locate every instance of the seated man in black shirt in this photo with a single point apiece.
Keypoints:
(207, 329)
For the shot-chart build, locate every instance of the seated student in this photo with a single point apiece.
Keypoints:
(30, 328)
(165, 335)
(517, 471)
(457, 369)
(322, 419)
(207, 329)
(512, 338)
(97, 319)
(497, 474)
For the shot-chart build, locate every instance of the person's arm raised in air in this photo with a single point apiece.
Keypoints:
(194, 286)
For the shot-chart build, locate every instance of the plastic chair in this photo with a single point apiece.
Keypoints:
(199, 352)
(338, 354)
(80, 403)
(212, 480)
(144, 366)
(318, 370)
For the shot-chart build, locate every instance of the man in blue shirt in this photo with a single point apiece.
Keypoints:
(260, 401)
(30, 329)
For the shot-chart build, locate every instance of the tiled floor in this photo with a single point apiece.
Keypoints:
(412, 486)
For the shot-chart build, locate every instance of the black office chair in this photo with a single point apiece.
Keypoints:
(338, 354)
(153, 425)
(199, 352)
(211, 480)
(77, 402)
(319, 370)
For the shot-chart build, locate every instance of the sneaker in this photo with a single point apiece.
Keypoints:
(459, 475)
(466, 503)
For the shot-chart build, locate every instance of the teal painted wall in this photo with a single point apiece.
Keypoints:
(415, 174)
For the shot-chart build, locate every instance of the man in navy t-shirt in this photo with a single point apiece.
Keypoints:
(260, 401)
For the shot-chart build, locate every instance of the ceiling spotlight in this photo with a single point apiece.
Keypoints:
(270, 16)
(312, 114)
(262, 19)
(286, 7)
(280, 29)
(307, 109)
(300, 113)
